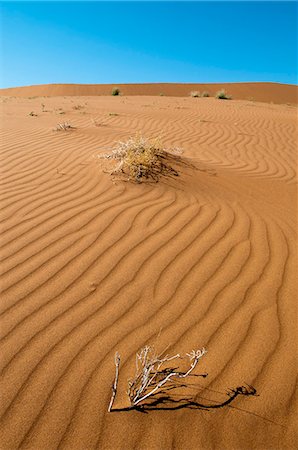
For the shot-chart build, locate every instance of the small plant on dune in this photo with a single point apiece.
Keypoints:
(115, 91)
(154, 375)
(59, 111)
(222, 95)
(32, 114)
(205, 94)
(65, 126)
(161, 94)
(112, 114)
(139, 160)
(194, 94)
(78, 107)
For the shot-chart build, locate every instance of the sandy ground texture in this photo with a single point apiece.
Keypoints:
(261, 92)
(90, 267)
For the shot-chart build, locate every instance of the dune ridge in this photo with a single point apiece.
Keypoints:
(255, 91)
(89, 267)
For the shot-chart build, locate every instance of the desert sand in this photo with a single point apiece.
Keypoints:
(90, 267)
(261, 92)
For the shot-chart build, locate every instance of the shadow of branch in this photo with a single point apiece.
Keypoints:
(166, 402)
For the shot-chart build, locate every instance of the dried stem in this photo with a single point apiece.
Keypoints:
(114, 387)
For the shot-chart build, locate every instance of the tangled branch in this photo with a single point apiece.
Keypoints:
(153, 374)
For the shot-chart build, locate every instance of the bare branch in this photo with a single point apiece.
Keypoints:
(114, 387)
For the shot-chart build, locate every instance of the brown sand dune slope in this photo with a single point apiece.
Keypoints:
(262, 92)
(89, 267)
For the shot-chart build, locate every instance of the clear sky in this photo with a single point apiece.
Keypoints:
(138, 42)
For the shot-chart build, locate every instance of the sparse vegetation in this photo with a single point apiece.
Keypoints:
(222, 95)
(78, 107)
(115, 91)
(65, 126)
(139, 160)
(205, 94)
(113, 114)
(32, 114)
(195, 94)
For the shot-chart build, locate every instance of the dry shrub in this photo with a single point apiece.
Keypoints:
(115, 91)
(154, 375)
(222, 95)
(65, 126)
(195, 94)
(205, 94)
(140, 159)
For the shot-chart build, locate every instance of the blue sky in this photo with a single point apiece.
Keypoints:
(138, 42)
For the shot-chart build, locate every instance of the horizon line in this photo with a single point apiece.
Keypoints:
(151, 83)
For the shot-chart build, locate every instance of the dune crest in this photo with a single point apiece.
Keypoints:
(254, 91)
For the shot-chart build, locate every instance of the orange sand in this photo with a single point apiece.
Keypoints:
(261, 92)
(90, 267)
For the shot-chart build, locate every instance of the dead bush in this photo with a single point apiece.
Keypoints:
(139, 160)
(65, 126)
(154, 375)
(222, 95)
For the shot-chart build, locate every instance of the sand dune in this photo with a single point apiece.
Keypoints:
(90, 267)
(261, 92)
